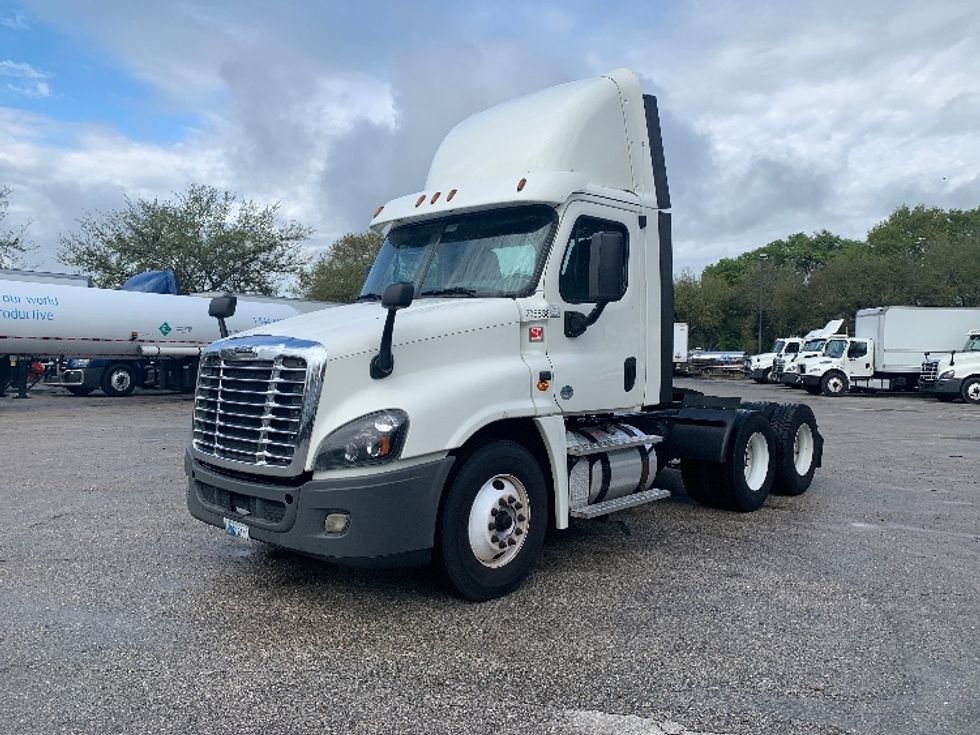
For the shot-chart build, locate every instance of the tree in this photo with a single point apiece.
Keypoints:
(338, 274)
(12, 244)
(210, 239)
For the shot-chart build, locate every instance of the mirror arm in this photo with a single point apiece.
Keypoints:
(576, 322)
(383, 363)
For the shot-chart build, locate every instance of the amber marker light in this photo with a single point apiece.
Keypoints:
(435, 197)
(543, 385)
(418, 202)
(521, 184)
(450, 195)
(377, 211)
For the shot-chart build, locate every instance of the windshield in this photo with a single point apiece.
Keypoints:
(973, 343)
(777, 346)
(813, 345)
(835, 347)
(497, 253)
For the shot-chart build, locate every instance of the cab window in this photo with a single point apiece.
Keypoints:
(573, 282)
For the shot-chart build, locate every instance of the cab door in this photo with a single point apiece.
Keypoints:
(604, 367)
(857, 359)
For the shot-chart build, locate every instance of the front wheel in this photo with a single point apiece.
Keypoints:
(970, 391)
(833, 384)
(493, 521)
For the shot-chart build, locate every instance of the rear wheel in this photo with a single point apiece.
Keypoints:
(970, 390)
(118, 380)
(833, 384)
(78, 391)
(797, 448)
(493, 521)
(697, 481)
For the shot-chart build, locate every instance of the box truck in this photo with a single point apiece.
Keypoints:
(956, 375)
(507, 366)
(888, 348)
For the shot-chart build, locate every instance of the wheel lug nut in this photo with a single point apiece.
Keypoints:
(493, 511)
(511, 541)
(491, 526)
(503, 503)
(502, 545)
(521, 518)
(518, 531)
(511, 499)
(494, 538)
(518, 505)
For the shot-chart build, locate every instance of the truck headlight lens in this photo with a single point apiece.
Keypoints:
(947, 374)
(79, 362)
(373, 439)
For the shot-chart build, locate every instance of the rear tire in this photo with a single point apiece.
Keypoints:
(76, 391)
(697, 482)
(118, 380)
(833, 384)
(498, 493)
(970, 391)
(798, 447)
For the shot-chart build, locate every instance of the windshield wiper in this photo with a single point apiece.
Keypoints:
(454, 291)
(369, 297)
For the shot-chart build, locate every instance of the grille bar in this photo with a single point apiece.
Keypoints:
(930, 370)
(250, 410)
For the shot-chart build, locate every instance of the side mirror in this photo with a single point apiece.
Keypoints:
(221, 308)
(398, 295)
(395, 296)
(607, 267)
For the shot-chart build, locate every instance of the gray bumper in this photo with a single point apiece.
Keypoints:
(946, 386)
(811, 380)
(790, 379)
(80, 378)
(392, 514)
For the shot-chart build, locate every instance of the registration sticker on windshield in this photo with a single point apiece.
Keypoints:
(236, 528)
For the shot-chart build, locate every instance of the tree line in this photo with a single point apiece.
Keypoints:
(215, 240)
(918, 256)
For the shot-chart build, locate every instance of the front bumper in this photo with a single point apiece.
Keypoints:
(790, 379)
(811, 380)
(79, 378)
(942, 386)
(760, 373)
(392, 513)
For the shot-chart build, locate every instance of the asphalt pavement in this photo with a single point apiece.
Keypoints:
(854, 608)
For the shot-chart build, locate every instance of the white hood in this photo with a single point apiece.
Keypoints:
(830, 329)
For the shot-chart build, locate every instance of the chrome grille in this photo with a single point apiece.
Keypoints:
(250, 410)
(778, 366)
(930, 370)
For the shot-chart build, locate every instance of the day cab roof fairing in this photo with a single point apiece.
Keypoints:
(585, 136)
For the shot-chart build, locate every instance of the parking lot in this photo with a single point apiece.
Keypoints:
(853, 608)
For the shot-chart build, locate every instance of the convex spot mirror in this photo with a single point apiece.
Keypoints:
(607, 267)
(398, 295)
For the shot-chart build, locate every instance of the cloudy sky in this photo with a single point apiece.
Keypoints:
(778, 117)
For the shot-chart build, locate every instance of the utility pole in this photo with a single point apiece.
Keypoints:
(762, 258)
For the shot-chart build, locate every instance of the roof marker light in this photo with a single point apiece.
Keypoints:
(377, 211)
(521, 184)
(435, 197)
(418, 202)
(450, 195)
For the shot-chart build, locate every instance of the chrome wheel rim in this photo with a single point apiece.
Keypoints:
(973, 392)
(499, 521)
(120, 380)
(756, 461)
(803, 449)
(836, 385)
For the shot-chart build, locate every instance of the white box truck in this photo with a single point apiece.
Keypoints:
(956, 375)
(507, 366)
(888, 348)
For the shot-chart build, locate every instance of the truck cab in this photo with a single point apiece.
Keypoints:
(842, 361)
(761, 367)
(507, 366)
(955, 376)
(786, 369)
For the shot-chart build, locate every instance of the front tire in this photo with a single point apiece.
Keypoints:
(118, 380)
(970, 391)
(833, 384)
(494, 521)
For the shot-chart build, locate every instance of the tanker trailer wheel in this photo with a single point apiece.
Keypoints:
(970, 391)
(833, 383)
(76, 391)
(494, 520)
(118, 380)
(743, 481)
(798, 447)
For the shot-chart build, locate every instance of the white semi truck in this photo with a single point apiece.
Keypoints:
(507, 367)
(888, 349)
(786, 369)
(760, 367)
(956, 375)
(47, 318)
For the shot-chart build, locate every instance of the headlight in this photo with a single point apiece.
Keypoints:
(373, 439)
(947, 374)
(79, 362)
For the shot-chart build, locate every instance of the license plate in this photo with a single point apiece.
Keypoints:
(236, 528)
